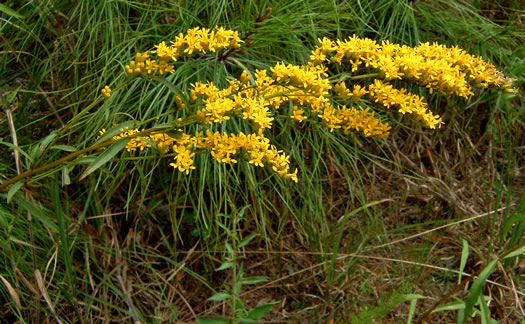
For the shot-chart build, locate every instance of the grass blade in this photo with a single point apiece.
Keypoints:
(517, 252)
(5, 9)
(464, 257)
(12, 292)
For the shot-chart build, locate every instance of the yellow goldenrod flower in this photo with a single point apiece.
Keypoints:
(164, 52)
(180, 104)
(298, 114)
(364, 121)
(331, 118)
(306, 77)
(162, 141)
(106, 92)
(245, 78)
(196, 40)
(358, 92)
(256, 110)
(183, 159)
(342, 91)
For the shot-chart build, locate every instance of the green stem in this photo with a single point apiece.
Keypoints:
(77, 117)
(346, 76)
(72, 156)
(53, 164)
(282, 93)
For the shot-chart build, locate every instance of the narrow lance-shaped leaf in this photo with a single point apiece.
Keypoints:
(464, 257)
(11, 12)
(67, 148)
(107, 155)
(477, 286)
(516, 252)
(253, 280)
(258, 312)
(219, 296)
(213, 320)
(13, 190)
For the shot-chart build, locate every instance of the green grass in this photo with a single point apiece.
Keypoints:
(352, 241)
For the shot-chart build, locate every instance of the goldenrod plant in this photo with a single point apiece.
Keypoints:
(351, 100)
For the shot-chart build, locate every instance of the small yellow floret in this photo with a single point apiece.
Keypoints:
(106, 92)
(245, 77)
(184, 159)
(298, 114)
(180, 104)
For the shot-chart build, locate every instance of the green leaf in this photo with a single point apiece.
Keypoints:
(258, 312)
(240, 213)
(461, 316)
(245, 320)
(412, 310)
(37, 150)
(477, 286)
(457, 305)
(212, 320)
(171, 86)
(229, 248)
(237, 289)
(408, 297)
(45, 142)
(85, 160)
(107, 155)
(13, 190)
(12, 95)
(485, 312)
(509, 223)
(239, 305)
(245, 241)
(252, 280)
(225, 266)
(517, 252)
(66, 180)
(464, 257)
(16, 148)
(66, 148)
(5, 9)
(219, 296)
(162, 126)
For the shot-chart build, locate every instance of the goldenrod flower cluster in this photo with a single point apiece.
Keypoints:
(106, 92)
(303, 93)
(434, 66)
(388, 96)
(304, 86)
(196, 40)
(224, 148)
(342, 92)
